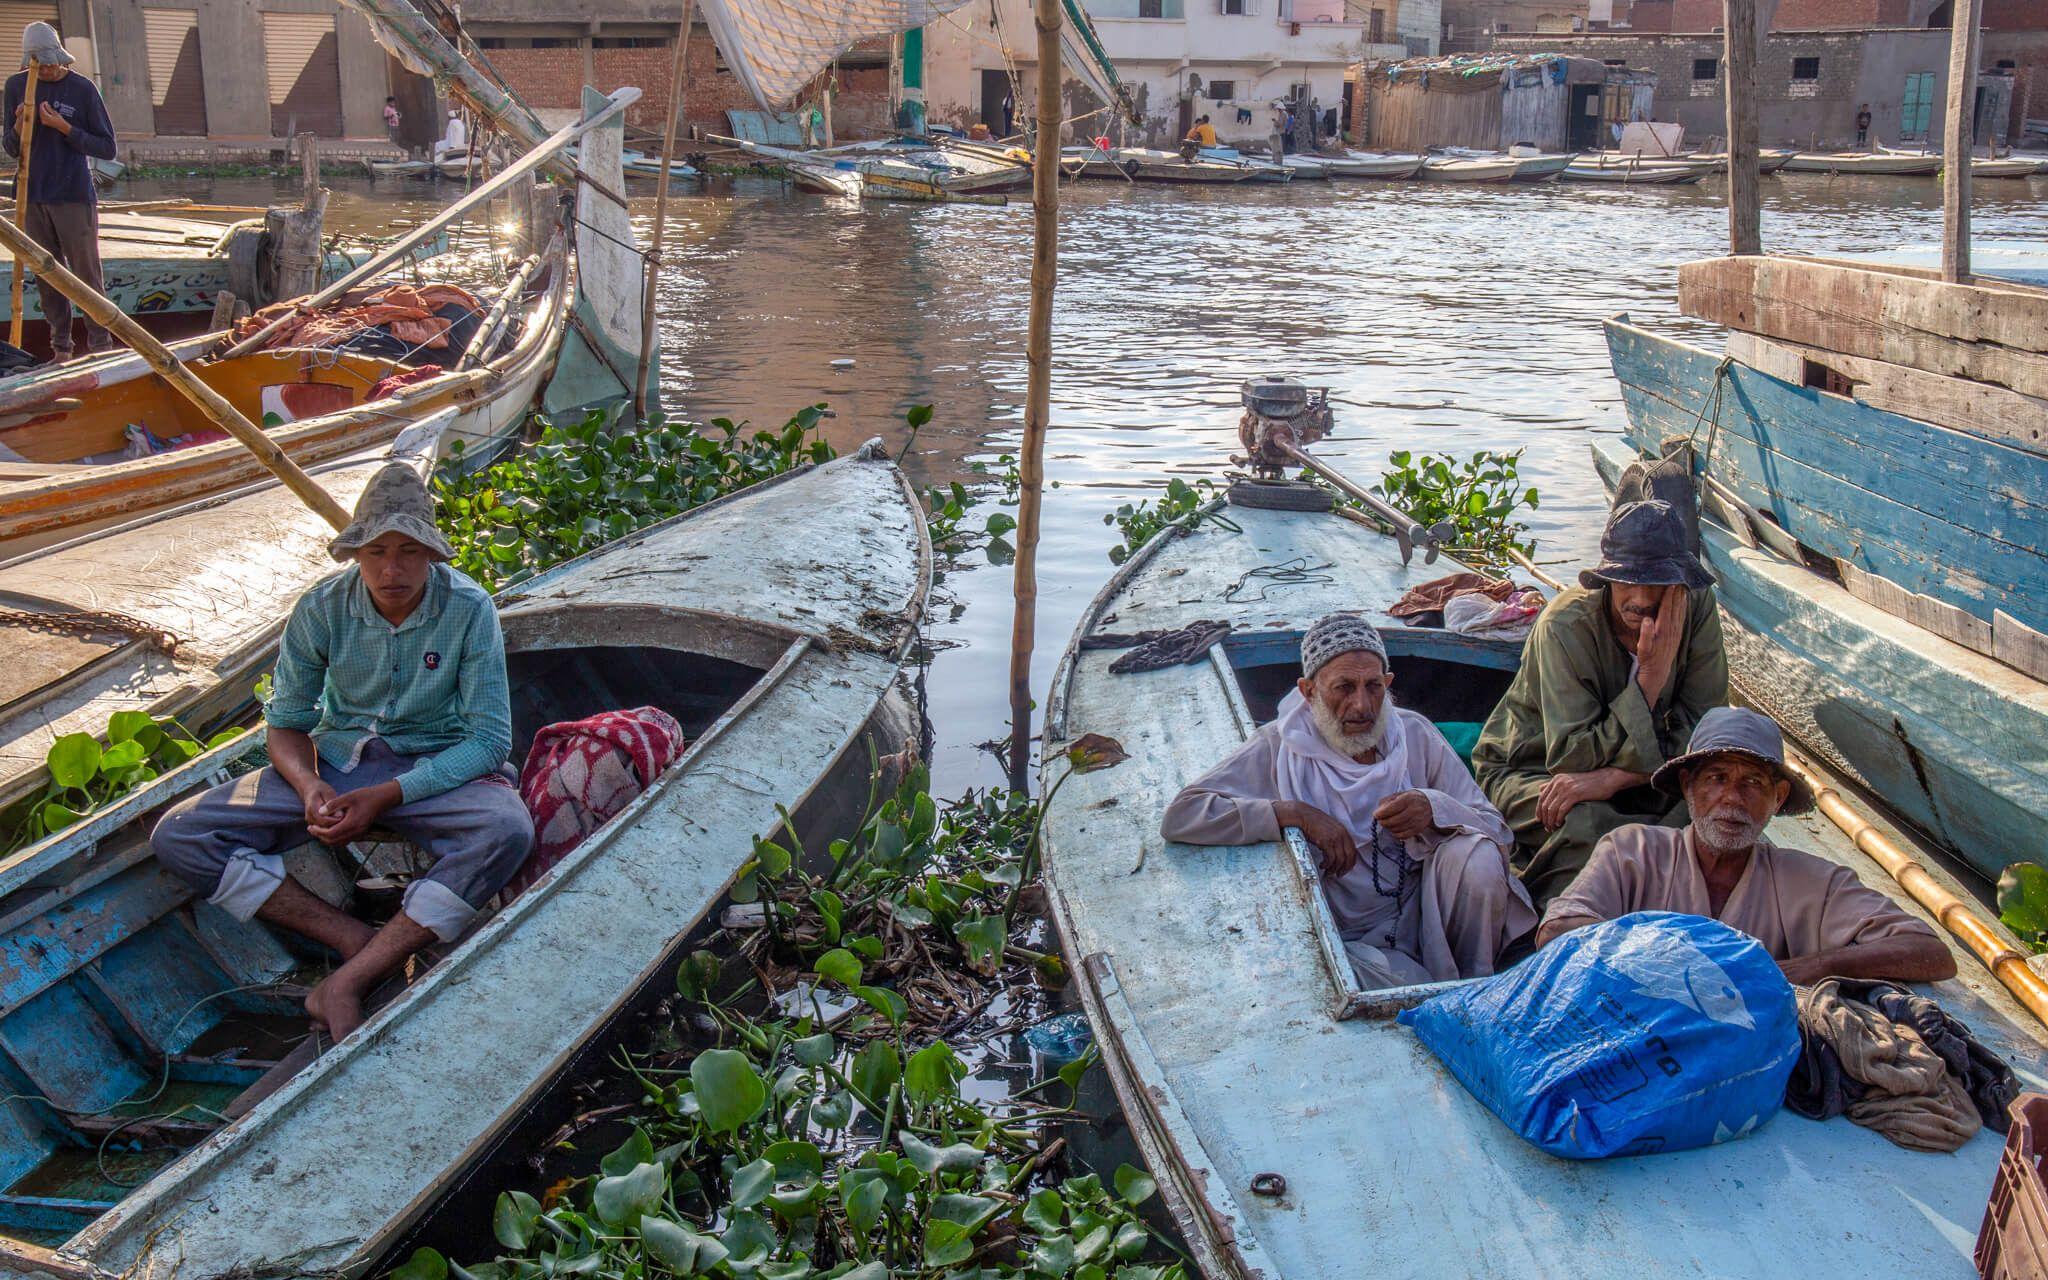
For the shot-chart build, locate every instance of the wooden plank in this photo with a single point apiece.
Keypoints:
(2019, 646)
(1745, 228)
(1939, 617)
(1957, 403)
(1959, 128)
(1971, 331)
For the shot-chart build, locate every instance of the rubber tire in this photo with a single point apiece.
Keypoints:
(1280, 495)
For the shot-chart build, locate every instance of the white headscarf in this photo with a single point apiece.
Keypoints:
(1311, 771)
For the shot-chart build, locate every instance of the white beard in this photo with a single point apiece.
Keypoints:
(1351, 745)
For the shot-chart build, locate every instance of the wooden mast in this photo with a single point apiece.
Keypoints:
(1742, 33)
(209, 402)
(1045, 232)
(28, 136)
(648, 327)
(1960, 143)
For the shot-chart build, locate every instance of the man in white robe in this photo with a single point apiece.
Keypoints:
(1414, 859)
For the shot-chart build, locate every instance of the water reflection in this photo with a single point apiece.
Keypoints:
(1442, 317)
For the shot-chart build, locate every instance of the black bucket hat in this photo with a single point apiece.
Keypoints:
(1737, 731)
(1645, 544)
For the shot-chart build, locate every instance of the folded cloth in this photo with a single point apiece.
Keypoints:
(392, 383)
(1432, 596)
(416, 317)
(1985, 1076)
(579, 774)
(1157, 650)
(1907, 1092)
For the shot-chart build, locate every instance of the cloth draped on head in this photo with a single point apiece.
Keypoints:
(1336, 635)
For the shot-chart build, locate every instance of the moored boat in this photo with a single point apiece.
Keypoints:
(777, 690)
(1257, 168)
(1536, 166)
(1372, 164)
(400, 168)
(1295, 1128)
(1091, 162)
(1633, 172)
(1451, 168)
(638, 164)
(1910, 164)
(1311, 167)
(1148, 165)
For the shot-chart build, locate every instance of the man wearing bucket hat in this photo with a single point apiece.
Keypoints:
(1614, 676)
(60, 209)
(1814, 917)
(389, 706)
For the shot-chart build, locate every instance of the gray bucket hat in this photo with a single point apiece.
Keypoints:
(1645, 544)
(1736, 731)
(1340, 633)
(41, 43)
(396, 501)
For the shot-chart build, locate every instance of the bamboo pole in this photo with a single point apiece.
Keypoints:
(668, 151)
(1960, 127)
(1045, 239)
(209, 402)
(28, 135)
(2007, 964)
(1745, 214)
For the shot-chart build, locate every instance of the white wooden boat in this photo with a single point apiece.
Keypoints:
(638, 164)
(2003, 167)
(930, 173)
(1372, 164)
(1769, 159)
(462, 165)
(1536, 166)
(1211, 977)
(1450, 168)
(1091, 162)
(1633, 172)
(400, 168)
(1309, 167)
(1148, 165)
(777, 657)
(1910, 164)
(826, 181)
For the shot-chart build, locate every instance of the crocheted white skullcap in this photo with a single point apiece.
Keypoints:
(1340, 633)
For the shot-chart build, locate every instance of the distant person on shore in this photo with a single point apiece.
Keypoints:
(1863, 125)
(392, 119)
(1203, 134)
(1281, 118)
(60, 209)
(1614, 677)
(390, 708)
(1009, 115)
(455, 140)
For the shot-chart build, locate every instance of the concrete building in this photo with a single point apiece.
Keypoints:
(1497, 100)
(1181, 59)
(223, 80)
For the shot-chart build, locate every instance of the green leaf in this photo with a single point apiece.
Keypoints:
(832, 1111)
(1134, 1184)
(424, 1264)
(963, 1209)
(830, 907)
(729, 1091)
(512, 1218)
(863, 1201)
(698, 975)
(1053, 1256)
(224, 737)
(839, 965)
(1043, 1211)
(929, 1159)
(885, 1002)
(795, 1160)
(932, 1073)
(983, 939)
(919, 415)
(74, 761)
(752, 1183)
(630, 1155)
(867, 945)
(1000, 523)
(1093, 1245)
(57, 816)
(677, 1247)
(1130, 1241)
(748, 1241)
(2023, 899)
(815, 1051)
(123, 726)
(773, 858)
(876, 1069)
(620, 1201)
(946, 1244)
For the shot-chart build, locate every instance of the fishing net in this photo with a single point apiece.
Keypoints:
(776, 47)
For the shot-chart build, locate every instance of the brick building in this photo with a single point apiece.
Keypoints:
(547, 58)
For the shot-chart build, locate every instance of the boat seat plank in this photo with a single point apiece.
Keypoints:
(69, 1055)
(37, 659)
(77, 932)
(165, 985)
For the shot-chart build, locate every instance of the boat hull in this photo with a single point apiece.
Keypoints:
(1438, 170)
(1661, 174)
(1360, 165)
(1858, 162)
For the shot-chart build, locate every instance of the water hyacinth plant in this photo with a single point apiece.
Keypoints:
(87, 774)
(1180, 505)
(1479, 497)
(808, 1121)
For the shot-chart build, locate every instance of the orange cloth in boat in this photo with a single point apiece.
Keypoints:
(407, 312)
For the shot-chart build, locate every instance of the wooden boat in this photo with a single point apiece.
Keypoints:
(463, 166)
(66, 427)
(1538, 167)
(1259, 168)
(1769, 159)
(1091, 162)
(1241, 1048)
(1910, 164)
(1633, 172)
(1905, 664)
(638, 164)
(778, 689)
(400, 168)
(1372, 164)
(1448, 168)
(2003, 167)
(826, 181)
(1309, 167)
(930, 173)
(1148, 165)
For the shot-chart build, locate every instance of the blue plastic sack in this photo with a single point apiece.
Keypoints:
(1654, 1032)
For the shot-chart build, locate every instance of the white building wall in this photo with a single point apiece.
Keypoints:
(1419, 25)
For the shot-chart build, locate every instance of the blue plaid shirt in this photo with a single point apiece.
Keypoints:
(433, 686)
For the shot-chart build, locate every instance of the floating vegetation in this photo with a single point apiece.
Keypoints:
(806, 1118)
(1479, 497)
(87, 775)
(1181, 504)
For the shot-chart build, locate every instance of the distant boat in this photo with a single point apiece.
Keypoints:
(463, 165)
(1092, 162)
(1634, 172)
(1769, 159)
(1258, 168)
(1876, 162)
(638, 164)
(1296, 1131)
(400, 168)
(1371, 164)
(1452, 168)
(1312, 166)
(1148, 165)
(160, 1100)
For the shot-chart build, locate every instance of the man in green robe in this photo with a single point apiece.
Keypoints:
(1615, 675)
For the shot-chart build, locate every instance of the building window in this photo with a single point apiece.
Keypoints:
(1806, 68)
(1705, 68)
(1237, 8)
(1376, 27)
(1222, 90)
(1151, 8)
(630, 42)
(554, 42)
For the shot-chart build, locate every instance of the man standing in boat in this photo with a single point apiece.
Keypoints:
(60, 209)
(390, 707)
(1815, 918)
(1415, 861)
(1614, 677)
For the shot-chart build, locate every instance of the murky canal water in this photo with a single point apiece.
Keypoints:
(1442, 317)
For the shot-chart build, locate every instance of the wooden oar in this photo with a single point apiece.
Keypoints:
(28, 136)
(99, 309)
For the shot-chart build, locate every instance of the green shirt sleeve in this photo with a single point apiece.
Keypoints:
(1702, 677)
(301, 675)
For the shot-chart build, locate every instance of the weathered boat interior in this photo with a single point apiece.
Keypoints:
(135, 1021)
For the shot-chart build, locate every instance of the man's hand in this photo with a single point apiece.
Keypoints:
(1565, 791)
(1330, 837)
(350, 814)
(50, 118)
(319, 799)
(1406, 816)
(1657, 643)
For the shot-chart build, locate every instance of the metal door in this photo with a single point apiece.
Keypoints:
(304, 64)
(177, 82)
(1916, 107)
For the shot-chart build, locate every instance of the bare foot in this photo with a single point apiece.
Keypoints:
(336, 1007)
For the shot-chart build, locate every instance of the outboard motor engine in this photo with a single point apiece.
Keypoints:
(1280, 411)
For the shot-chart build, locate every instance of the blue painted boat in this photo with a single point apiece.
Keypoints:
(1864, 561)
(165, 1111)
(1241, 1048)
